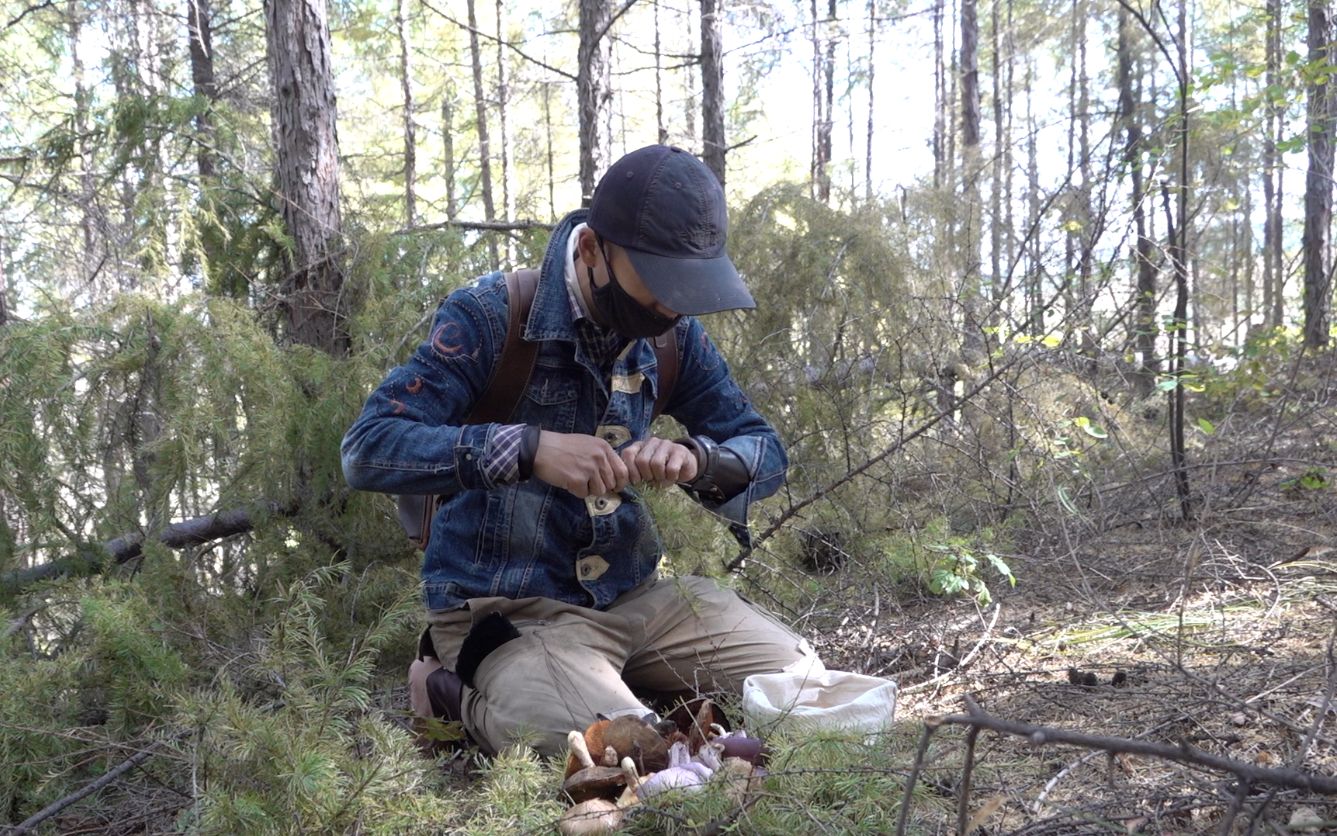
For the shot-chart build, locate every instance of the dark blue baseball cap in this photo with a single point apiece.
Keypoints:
(666, 210)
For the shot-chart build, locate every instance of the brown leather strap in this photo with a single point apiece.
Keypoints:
(505, 387)
(666, 355)
(511, 372)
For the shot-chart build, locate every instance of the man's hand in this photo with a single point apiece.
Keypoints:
(659, 461)
(582, 464)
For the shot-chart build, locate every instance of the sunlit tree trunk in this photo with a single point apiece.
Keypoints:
(660, 130)
(410, 141)
(1318, 181)
(939, 99)
(307, 144)
(996, 183)
(971, 209)
(199, 31)
(1271, 173)
(480, 116)
(1145, 326)
(503, 104)
(592, 92)
(712, 90)
(872, 67)
(448, 148)
(1035, 313)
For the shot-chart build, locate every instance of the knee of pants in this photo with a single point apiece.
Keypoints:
(533, 692)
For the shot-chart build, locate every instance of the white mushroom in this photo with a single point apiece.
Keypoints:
(596, 816)
(575, 741)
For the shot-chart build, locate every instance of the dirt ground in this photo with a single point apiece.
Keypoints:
(1217, 633)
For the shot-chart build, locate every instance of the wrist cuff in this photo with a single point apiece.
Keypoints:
(529, 447)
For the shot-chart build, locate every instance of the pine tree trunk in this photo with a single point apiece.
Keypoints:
(298, 51)
(1318, 183)
(712, 90)
(660, 130)
(448, 149)
(547, 132)
(199, 31)
(592, 93)
(872, 67)
(1086, 237)
(410, 142)
(480, 115)
(503, 97)
(973, 342)
(940, 104)
(1145, 326)
(829, 101)
(818, 167)
(1274, 279)
(689, 102)
(1035, 273)
(995, 186)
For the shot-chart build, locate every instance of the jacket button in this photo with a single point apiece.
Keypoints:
(604, 504)
(591, 567)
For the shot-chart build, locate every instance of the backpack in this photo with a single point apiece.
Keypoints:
(505, 387)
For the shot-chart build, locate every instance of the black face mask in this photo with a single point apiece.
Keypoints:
(622, 313)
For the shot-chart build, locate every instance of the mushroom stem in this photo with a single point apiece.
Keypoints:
(576, 742)
(633, 777)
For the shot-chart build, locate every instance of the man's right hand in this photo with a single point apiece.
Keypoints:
(582, 464)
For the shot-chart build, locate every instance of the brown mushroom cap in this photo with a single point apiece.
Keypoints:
(595, 782)
(596, 816)
(637, 739)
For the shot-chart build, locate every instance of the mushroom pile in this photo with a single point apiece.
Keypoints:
(616, 764)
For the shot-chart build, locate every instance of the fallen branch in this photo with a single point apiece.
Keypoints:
(1183, 753)
(30, 823)
(181, 535)
(477, 226)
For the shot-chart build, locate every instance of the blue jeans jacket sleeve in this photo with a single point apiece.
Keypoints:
(411, 437)
(708, 402)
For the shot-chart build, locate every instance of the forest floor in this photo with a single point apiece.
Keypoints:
(1217, 633)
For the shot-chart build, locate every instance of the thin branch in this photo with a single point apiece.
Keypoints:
(481, 226)
(1183, 753)
(181, 535)
(28, 824)
(930, 726)
(512, 47)
(47, 4)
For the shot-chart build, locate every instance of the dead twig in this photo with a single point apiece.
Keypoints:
(1183, 753)
(930, 726)
(30, 823)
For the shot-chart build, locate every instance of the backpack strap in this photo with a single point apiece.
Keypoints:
(666, 355)
(510, 373)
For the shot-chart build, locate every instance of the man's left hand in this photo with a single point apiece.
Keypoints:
(659, 461)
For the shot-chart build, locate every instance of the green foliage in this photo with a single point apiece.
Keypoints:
(948, 564)
(288, 742)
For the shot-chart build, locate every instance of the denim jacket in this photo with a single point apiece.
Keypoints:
(530, 538)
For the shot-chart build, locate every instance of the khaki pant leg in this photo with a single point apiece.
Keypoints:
(563, 670)
(705, 638)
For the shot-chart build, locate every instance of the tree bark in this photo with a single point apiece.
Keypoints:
(593, 83)
(503, 102)
(200, 33)
(297, 40)
(1274, 279)
(712, 90)
(1318, 182)
(940, 104)
(996, 183)
(410, 141)
(828, 103)
(1035, 313)
(660, 131)
(1145, 326)
(480, 114)
(973, 342)
(448, 149)
(872, 67)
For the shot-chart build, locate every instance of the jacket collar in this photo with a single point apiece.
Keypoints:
(550, 316)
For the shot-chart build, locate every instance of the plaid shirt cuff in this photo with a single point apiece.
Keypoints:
(502, 464)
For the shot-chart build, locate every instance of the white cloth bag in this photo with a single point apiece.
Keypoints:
(814, 699)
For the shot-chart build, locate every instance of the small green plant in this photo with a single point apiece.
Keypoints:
(1313, 479)
(957, 569)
